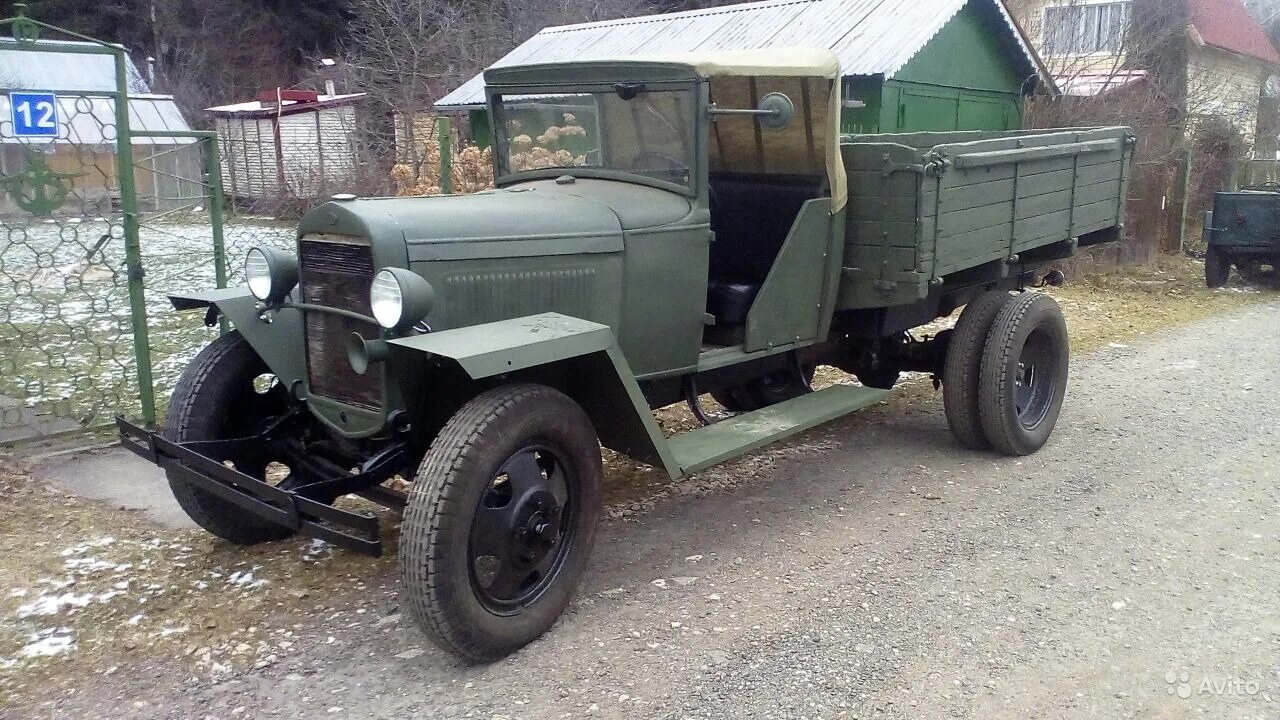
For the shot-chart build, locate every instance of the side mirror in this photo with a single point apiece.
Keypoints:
(776, 111)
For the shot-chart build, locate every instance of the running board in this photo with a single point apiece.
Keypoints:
(700, 449)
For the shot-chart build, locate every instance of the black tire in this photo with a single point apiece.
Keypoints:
(481, 453)
(764, 391)
(216, 399)
(734, 399)
(1217, 267)
(961, 371)
(1024, 374)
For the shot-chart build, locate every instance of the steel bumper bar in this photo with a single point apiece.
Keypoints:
(353, 531)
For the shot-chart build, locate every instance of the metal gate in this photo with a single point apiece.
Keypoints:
(95, 175)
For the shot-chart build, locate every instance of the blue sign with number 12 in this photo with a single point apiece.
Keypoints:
(34, 114)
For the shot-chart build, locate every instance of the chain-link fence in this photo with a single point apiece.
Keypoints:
(107, 203)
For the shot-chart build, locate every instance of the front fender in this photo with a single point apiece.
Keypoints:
(578, 357)
(278, 340)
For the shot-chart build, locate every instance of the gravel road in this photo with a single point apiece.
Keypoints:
(1128, 570)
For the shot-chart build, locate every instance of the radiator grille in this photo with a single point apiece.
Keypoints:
(337, 274)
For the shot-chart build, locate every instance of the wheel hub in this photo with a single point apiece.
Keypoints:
(518, 534)
(1034, 380)
(540, 530)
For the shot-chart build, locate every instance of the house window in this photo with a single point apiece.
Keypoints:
(1085, 29)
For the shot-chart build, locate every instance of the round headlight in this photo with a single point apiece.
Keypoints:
(270, 274)
(400, 298)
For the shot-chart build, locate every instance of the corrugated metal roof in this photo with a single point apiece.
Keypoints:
(62, 71)
(871, 37)
(257, 108)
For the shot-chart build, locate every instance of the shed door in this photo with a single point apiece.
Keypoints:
(979, 113)
(926, 110)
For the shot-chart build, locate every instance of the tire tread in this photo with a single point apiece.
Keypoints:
(433, 508)
(962, 368)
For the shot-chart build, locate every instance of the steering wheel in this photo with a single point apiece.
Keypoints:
(654, 160)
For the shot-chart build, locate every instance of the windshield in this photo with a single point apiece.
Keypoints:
(630, 129)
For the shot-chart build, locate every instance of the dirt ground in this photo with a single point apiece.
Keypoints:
(97, 602)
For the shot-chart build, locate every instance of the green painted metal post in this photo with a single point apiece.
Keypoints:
(213, 168)
(132, 242)
(444, 130)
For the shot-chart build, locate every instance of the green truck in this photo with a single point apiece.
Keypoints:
(1243, 230)
(663, 229)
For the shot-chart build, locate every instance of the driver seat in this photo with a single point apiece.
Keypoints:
(752, 217)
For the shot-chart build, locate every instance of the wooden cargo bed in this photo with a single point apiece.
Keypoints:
(925, 206)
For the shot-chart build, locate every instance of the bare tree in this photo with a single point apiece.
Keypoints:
(408, 53)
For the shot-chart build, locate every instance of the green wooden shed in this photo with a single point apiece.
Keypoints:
(908, 65)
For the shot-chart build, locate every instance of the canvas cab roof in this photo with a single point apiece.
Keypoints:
(810, 77)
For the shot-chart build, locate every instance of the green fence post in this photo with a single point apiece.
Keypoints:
(132, 242)
(213, 168)
(444, 129)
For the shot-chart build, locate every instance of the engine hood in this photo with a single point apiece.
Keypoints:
(536, 218)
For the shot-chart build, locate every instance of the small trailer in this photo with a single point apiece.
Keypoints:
(663, 229)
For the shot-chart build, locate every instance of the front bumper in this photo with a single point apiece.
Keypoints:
(304, 515)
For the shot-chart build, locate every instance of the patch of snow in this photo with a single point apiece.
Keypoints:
(83, 548)
(245, 578)
(58, 584)
(135, 619)
(316, 550)
(53, 604)
(85, 565)
(49, 642)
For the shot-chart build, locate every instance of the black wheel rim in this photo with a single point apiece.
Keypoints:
(522, 529)
(1036, 380)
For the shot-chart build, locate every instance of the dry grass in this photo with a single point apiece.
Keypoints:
(1132, 302)
(130, 593)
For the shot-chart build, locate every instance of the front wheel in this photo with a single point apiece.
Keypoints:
(226, 392)
(1024, 374)
(501, 520)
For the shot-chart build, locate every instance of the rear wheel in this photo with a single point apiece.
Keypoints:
(1217, 267)
(962, 369)
(501, 520)
(226, 392)
(762, 392)
(1024, 374)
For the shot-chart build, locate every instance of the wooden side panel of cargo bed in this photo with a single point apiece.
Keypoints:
(1000, 197)
(885, 262)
